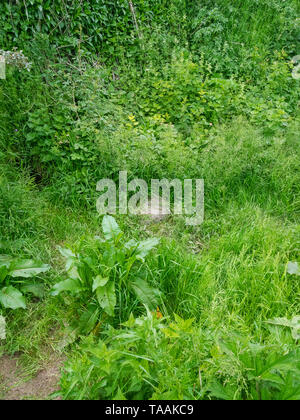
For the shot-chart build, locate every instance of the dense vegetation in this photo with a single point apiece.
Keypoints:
(162, 89)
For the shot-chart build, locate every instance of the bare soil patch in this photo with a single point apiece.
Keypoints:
(15, 386)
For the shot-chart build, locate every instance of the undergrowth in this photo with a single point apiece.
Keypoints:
(147, 309)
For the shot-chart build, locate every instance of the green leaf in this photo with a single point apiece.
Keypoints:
(99, 281)
(38, 290)
(145, 293)
(2, 328)
(274, 378)
(66, 252)
(107, 298)
(69, 285)
(286, 363)
(221, 392)
(70, 335)
(4, 244)
(131, 321)
(89, 319)
(293, 324)
(119, 396)
(146, 246)
(3, 273)
(284, 322)
(27, 268)
(292, 394)
(110, 228)
(293, 268)
(5, 260)
(11, 298)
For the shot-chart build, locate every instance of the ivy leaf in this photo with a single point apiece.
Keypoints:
(11, 298)
(107, 298)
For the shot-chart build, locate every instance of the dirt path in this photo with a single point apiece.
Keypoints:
(14, 386)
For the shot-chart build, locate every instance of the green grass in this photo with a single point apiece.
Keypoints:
(229, 274)
(207, 93)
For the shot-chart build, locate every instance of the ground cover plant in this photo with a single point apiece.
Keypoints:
(135, 307)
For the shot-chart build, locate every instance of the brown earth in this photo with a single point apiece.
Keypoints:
(15, 386)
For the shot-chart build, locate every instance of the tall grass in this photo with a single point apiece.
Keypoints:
(74, 120)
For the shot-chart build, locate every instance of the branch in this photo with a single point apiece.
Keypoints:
(134, 18)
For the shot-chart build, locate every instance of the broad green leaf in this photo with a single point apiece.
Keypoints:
(3, 273)
(221, 392)
(66, 252)
(11, 298)
(89, 319)
(110, 228)
(27, 268)
(119, 396)
(69, 285)
(286, 363)
(146, 246)
(5, 260)
(274, 378)
(99, 281)
(132, 244)
(2, 328)
(145, 293)
(293, 268)
(107, 297)
(292, 394)
(284, 322)
(38, 290)
(72, 269)
(143, 248)
(293, 324)
(70, 335)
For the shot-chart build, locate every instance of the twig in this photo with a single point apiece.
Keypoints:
(26, 10)
(134, 18)
(200, 379)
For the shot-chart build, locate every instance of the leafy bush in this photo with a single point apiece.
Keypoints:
(153, 358)
(81, 126)
(143, 360)
(200, 89)
(254, 372)
(108, 272)
(12, 269)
